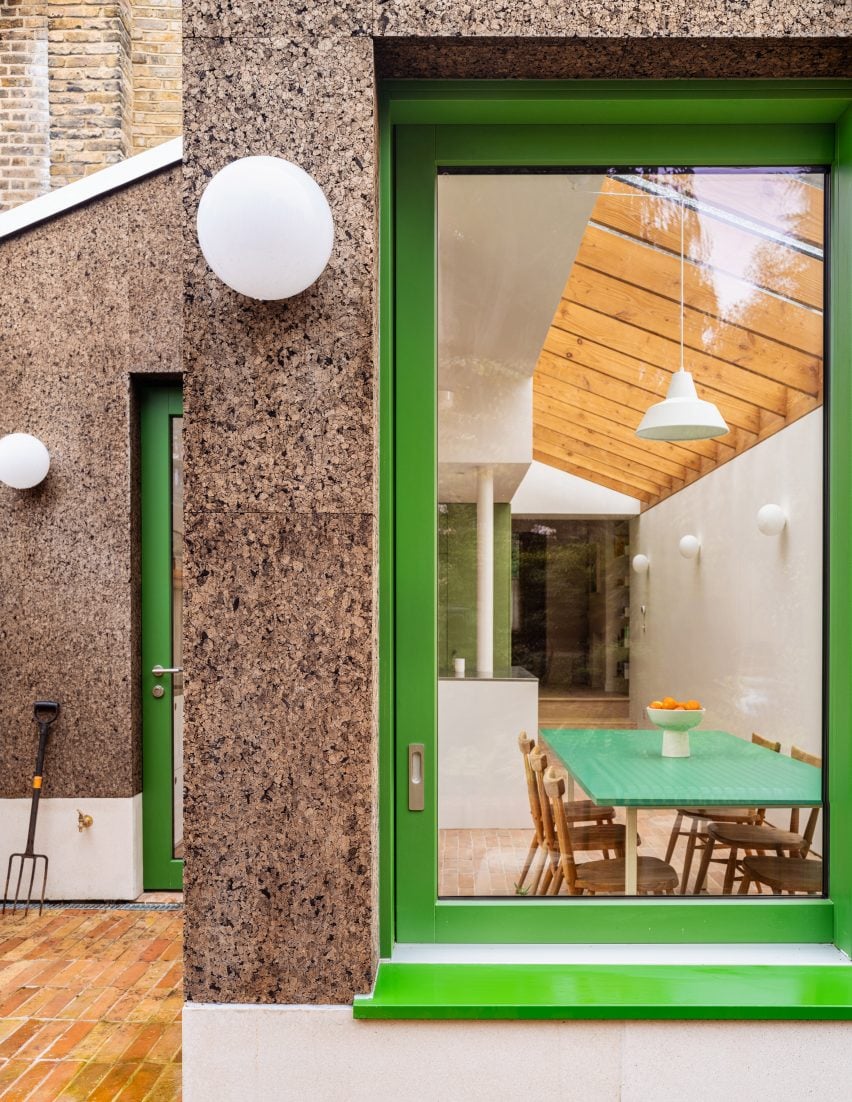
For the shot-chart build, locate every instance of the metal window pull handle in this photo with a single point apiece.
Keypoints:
(416, 801)
(158, 671)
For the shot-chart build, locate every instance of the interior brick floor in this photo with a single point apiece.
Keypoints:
(90, 1005)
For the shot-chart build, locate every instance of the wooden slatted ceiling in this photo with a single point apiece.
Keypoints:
(752, 327)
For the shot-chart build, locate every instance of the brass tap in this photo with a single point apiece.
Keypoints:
(83, 821)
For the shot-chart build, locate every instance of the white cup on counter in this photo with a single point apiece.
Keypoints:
(458, 666)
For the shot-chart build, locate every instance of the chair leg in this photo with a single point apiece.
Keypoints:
(675, 834)
(527, 864)
(730, 871)
(556, 882)
(687, 860)
(745, 884)
(704, 867)
(542, 866)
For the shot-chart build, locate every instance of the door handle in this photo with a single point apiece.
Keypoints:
(158, 671)
(416, 801)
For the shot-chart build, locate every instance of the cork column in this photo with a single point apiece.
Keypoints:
(280, 514)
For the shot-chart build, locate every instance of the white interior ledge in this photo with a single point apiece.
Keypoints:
(715, 954)
(90, 187)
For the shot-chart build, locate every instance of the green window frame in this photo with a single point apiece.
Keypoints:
(427, 125)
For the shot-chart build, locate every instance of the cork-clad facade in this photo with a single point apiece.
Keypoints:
(84, 85)
(281, 518)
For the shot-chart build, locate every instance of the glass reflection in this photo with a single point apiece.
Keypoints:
(559, 323)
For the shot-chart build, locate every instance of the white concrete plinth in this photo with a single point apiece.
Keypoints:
(292, 1053)
(102, 862)
(480, 771)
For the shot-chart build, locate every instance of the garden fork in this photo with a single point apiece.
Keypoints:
(45, 712)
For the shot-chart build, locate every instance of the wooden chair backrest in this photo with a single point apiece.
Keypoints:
(813, 816)
(767, 744)
(538, 763)
(527, 746)
(554, 789)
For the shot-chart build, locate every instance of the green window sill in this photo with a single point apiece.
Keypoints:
(571, 991)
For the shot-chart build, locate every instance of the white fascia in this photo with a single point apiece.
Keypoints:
(90, 187)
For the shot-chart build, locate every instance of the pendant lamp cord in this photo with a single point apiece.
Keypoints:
(681, 281)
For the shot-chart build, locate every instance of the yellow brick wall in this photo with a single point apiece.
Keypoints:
(83, 84)
(156, 72)
(24, 146)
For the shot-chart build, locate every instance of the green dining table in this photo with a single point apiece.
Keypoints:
(626, 769)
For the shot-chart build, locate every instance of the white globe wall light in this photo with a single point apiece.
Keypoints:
(641, 564)
(689, 546)
(771, 520)
(24, 460)
(265, 227)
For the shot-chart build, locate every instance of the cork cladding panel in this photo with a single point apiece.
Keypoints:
(282, 21)
(279, 794)
(81, 300)
(280, 489)
(281, 445)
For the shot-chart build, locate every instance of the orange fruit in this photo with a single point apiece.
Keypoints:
(678, 708)
(692, 706)
(656, 704)
(669, 702)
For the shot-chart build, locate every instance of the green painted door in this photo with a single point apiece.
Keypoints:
(161, 495)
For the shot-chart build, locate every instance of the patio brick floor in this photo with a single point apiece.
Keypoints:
(90, 1005)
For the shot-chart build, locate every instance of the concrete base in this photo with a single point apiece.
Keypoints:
(103, 862)
(283, 1053)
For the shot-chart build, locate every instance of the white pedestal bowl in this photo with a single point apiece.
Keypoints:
(675, 726)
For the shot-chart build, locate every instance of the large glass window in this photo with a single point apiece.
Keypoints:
(630, 625)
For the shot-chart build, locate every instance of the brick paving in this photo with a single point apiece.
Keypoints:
(90, 1005)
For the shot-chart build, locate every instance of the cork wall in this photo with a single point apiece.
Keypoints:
(281, 443)
(88, 301)
(83, 84)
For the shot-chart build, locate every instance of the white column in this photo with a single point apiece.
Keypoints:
(485, 571)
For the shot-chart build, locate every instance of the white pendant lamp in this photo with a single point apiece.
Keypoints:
(682, 415)
(24, 460)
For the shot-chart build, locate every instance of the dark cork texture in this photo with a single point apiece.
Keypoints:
(86, 301)
(281, 443)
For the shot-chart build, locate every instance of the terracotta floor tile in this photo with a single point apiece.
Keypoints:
(17, 1040)
(10, 1071)
(63, 1071)
(143, 1042)
(167, 1047)
(167, 1087)
(25, 1084)
(144, 1079)
(114, 1081)
(84, 1083)
(70, 1039)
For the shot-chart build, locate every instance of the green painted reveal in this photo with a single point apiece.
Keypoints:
(457, 585)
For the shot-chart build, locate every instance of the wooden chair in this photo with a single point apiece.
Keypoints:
(759, 838)
(794, 875)
(696, 835)
(577, 811)
(607, 877)
(604, 837)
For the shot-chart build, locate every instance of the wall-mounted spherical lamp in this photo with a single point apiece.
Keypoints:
(265, 227)
(24, 460)
(641, 564)
(689, 546)
(771, 520)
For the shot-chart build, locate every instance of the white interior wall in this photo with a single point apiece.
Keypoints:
(740, 626)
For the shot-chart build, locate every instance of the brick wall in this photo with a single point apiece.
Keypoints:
(24, 149)
(156, 72)
(83, 84)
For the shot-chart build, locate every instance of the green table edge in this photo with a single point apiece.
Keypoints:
(608, 991)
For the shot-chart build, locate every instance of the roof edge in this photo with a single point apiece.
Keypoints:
(99, 183)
